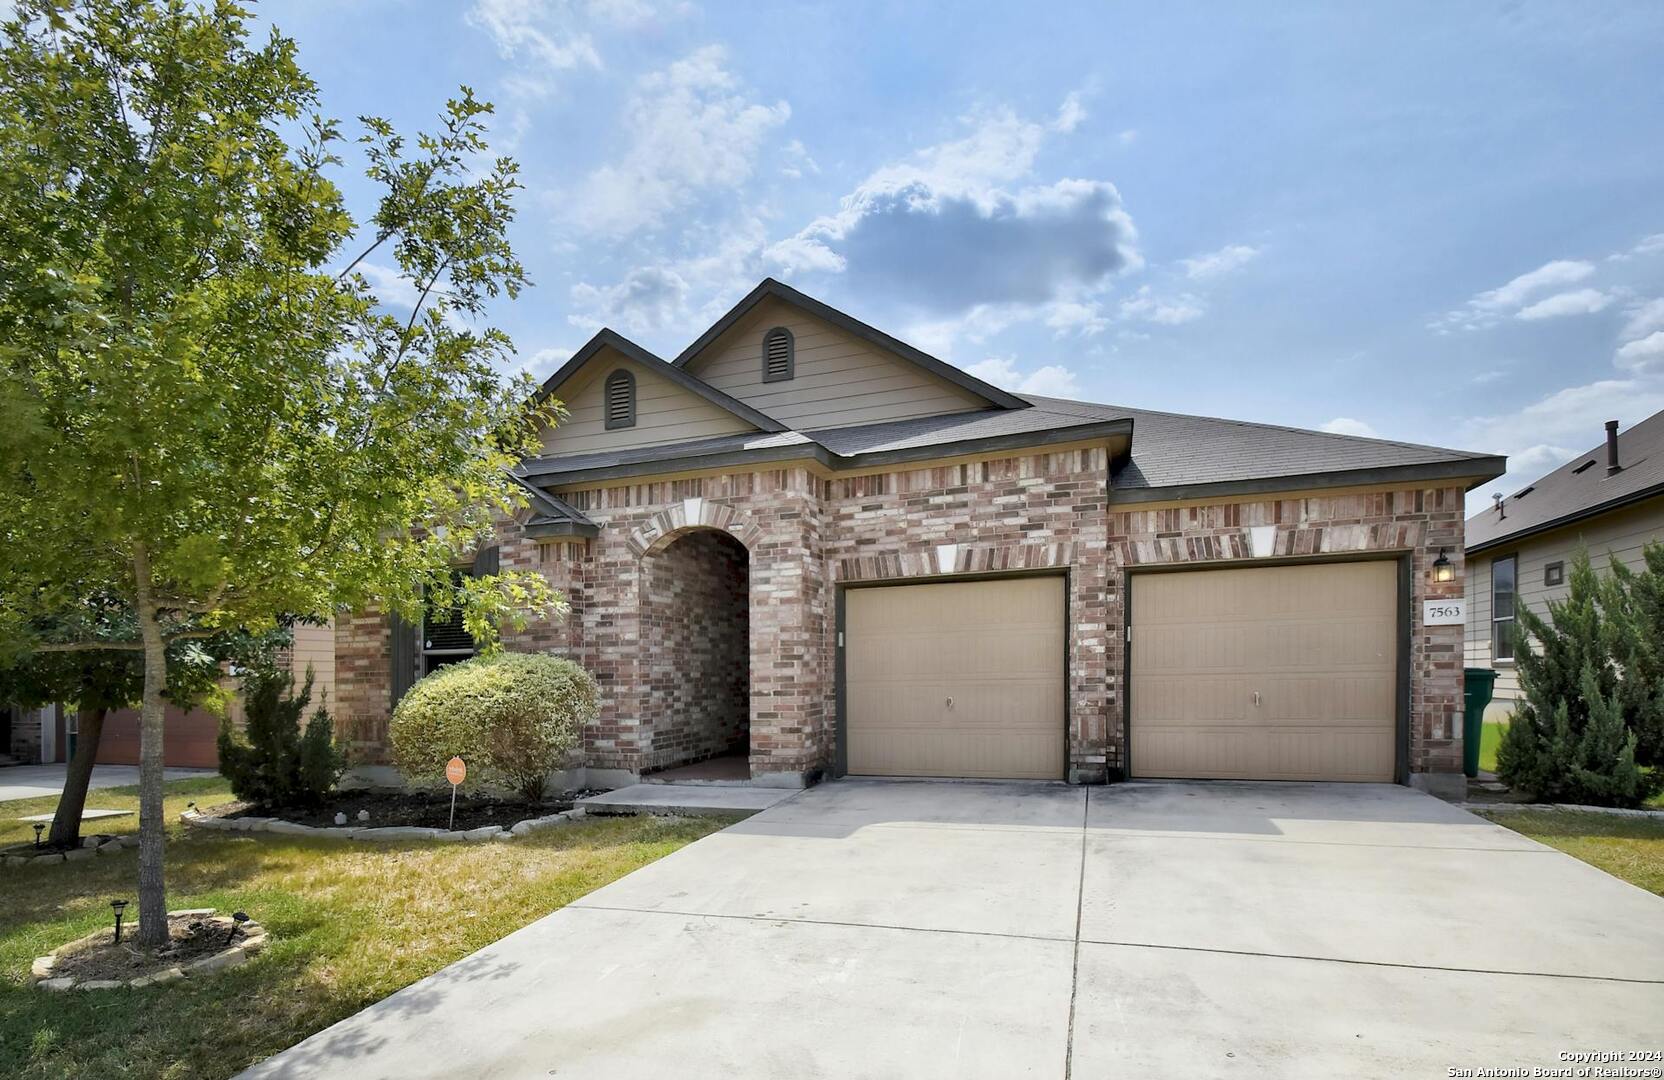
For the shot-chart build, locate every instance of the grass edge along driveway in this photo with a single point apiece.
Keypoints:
(350, 924)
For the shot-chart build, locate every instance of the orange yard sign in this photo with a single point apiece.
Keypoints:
(455, 771)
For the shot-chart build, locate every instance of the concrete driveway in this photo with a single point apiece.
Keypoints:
(916, 929)
(33, 781)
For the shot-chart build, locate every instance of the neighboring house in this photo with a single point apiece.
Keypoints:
(1609, 500)
(806, 548)
(35, 736)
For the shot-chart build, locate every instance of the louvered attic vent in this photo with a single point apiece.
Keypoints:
(778, 359)
(621, 400)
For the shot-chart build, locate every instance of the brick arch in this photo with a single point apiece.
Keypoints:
(663, 528)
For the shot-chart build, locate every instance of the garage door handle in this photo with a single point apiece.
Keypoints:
(950, 703)
(1256, 699)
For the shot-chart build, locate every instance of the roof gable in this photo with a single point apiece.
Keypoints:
(670, 405)
(974, 392)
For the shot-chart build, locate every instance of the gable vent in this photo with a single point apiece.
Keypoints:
(779, 360)
(620, 400)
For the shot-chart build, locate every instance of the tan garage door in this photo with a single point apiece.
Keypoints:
(1270, 673)
(960, 679)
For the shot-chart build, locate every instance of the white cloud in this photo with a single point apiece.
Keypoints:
(1483, 377)
(795, 161)
(1230, 258)
(1643, 320)
(647, 297)
(1643, 354)
(1488, 307)
(1575, 302)
(1647, 245)
(692, 129)
(1127, 137)
(1070, 114)
(1146, 306)
(538, 32)
(1053, 380)
(681, 293)
(1345, 425)
(545, 362)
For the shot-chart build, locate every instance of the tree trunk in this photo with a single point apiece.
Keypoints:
(153, 902)
(66, 820)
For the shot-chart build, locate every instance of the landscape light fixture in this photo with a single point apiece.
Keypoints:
(1443, 569)
(238, 918)
(40, 827)
(120, 907)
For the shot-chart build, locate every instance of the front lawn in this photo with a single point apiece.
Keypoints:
(350, 924)
(1630, 848)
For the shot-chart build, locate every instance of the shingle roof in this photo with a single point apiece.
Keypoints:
(1172, 455)
(1172, 452)
(552, 515)
(1579, 489)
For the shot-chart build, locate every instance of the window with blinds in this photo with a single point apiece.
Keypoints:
(778, 358)
(620, 400)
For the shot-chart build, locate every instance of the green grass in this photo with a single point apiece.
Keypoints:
(349, 924)
(1630, 848)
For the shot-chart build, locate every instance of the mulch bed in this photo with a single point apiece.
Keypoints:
(190, 938)
(425, 809)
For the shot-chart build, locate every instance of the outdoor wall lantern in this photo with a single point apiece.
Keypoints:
(119, 907)
(1443, 569)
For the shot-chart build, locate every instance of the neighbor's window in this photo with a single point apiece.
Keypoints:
(1554, 574)
(1502, 607)
(779, 355)
(620, 400)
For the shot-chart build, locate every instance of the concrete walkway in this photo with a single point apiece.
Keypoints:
(689, 800)
(916, 929)
(33, 781)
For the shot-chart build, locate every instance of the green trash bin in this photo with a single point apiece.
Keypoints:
(1476, 694)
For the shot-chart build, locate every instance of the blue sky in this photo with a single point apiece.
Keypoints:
(1432, 222)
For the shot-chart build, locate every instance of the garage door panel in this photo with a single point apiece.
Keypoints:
(956, 679)
(1267, 672)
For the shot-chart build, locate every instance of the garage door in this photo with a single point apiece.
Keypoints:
(960, 679)
(1270, 673)
(189, 739)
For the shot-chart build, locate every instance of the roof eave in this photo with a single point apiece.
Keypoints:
(770, 287)
(1621, 503)
(811, 451)
(1474, 471)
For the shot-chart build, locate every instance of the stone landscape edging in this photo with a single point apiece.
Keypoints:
(380, 833)
(90, 846)
(254, 939)
(1614, 811)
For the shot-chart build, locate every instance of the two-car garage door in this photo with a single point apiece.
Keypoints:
(1271, 673)
(1268, 673)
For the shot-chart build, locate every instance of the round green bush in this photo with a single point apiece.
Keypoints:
(514, 718)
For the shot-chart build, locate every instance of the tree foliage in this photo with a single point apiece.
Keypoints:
(282, 757)
(207, 410)
(513, 717)
(1576, 737)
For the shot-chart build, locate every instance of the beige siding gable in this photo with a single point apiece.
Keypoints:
(1620, 534)
(839, 379)
(665, 412)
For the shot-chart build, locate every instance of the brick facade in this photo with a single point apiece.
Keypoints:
(636, 590)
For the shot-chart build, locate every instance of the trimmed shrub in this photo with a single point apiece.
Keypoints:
(274, 761)
(513, 717)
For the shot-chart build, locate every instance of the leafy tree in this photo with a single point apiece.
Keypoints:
(276, 760)
(1571, 740)
(206, 410)
(97, 681)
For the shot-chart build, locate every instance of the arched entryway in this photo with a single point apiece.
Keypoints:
(696, 651)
